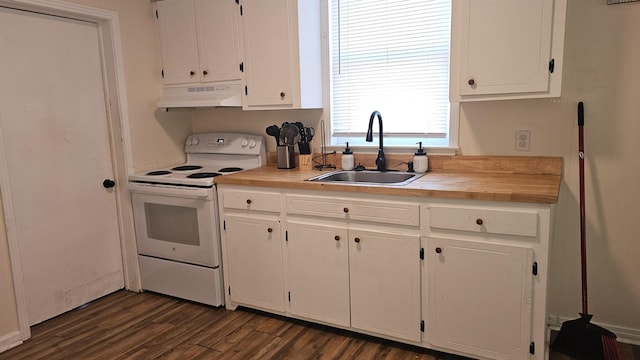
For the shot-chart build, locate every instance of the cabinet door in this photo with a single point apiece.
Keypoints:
(505, 45)
(385, 283)
(254, 261)
(218, 39)
(318, 271)
(479, 298)
(267, 44)
(178, 42)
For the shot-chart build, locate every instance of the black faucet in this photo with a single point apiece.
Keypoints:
(380, 162)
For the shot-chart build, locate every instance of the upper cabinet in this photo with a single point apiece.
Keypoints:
(282, 54)
(199, 40)
(506, 49)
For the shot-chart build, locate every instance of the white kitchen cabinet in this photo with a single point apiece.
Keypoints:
(384, 271)
(506, 49)
(318, 272)
(282, 54)
(199, 40)
(480, 297)
(484, 264)
(252, 249)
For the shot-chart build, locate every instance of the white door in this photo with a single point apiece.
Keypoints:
(55, 138)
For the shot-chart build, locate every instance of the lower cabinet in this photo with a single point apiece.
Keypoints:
(480, 298)
(384, 271)
(318, 272)
(254, 262)
(368, 280)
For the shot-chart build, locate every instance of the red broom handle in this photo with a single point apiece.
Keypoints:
(583, 222)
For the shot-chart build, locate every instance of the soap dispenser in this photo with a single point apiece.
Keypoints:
(347, 158)
(420, 160)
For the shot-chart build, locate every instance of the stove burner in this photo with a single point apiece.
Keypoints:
(159, 172)
(186, 168)
(230, 169)
(202, 175)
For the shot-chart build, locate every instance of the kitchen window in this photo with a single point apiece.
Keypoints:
(391, 56)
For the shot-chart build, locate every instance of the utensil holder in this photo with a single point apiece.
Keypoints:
(286, 156)
(305, 162)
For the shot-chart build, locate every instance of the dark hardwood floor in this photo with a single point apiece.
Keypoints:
(127, 325)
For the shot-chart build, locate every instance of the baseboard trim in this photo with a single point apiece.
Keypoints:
(10, 340)
(625, 335)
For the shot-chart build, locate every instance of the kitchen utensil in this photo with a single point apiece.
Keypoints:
(303, 145)
(580, 338)
(286, 156)
(289, 134)
(274, 131)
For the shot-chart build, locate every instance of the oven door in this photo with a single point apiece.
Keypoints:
(177, 224)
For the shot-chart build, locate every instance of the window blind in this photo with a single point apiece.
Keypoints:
(391, 56)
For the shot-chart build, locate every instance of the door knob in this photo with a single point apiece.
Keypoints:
(108, 183)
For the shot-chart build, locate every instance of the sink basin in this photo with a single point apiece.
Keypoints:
(368, 177)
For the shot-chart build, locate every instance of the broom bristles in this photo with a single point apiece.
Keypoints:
(610, 348)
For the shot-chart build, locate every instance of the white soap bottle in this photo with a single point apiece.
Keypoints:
(420, 160)
(347, 158)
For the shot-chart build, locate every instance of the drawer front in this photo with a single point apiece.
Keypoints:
(517, 222)
(351, 209)
(251, 200)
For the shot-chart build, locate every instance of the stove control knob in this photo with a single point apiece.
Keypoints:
(194, 141)
(252, 143)
(244, 142)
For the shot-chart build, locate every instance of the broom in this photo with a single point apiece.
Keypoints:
(580, 338)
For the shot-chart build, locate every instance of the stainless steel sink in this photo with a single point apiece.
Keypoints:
(368, 177)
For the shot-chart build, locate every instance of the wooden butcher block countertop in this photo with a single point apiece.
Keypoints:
(493, 178)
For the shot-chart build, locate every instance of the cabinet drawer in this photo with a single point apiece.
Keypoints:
(517, 222)
(251, 200)
(351, 209)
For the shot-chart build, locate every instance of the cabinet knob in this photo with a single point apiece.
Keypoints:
(357, 240)
(248, 201)
(471, 82)
(282, 95)
(337, 238)
(479, 221)
(269, 230)
(192, 72)
(346, 210)
(205, 72)
(438, 250)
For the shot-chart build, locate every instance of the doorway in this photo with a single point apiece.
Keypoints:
(60, 111)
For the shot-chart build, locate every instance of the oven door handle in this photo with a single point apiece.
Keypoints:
(177, 191)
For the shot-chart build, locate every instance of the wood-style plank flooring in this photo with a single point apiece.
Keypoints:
(127, 325)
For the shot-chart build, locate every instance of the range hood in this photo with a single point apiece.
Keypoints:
(229, 95)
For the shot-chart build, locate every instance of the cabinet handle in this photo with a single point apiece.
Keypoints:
(471, 82)
(337, 238)
(346, 210)
(357, 240)
(192, 72)
(438, 250)
(269, 230)
(205, 72)
(282, 95)
(248, 201)
(479, 221)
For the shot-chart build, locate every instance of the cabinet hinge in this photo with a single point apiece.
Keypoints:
(240, 10)
(421, 325)
(532, 348)
(286, 235)
(422, 253)
(246, 91)
(552, 65)
(535, 268)
(156, 14)
(241, 67)
(162, 73)
(289, 296)
(224, 225)
(229, 290)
